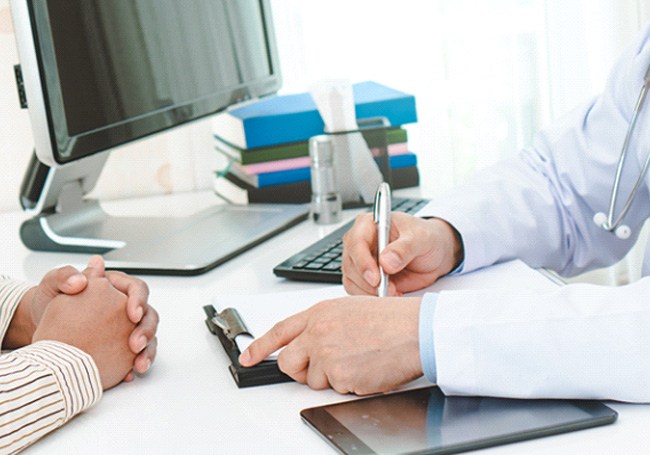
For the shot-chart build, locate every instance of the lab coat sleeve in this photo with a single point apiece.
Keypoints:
(539, 206)
(579, 341)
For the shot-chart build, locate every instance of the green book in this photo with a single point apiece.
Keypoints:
(294, 149)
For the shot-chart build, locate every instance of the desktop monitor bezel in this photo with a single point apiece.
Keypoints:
(38, 100)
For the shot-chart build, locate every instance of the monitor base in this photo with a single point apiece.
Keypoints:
(162, 246)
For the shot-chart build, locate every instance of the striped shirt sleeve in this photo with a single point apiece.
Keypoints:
(42, 385)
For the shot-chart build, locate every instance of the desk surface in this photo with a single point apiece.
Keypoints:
(189, 403)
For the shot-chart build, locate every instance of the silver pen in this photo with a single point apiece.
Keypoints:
(381, 215)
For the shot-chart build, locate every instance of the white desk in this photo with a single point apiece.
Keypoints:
(189, 403)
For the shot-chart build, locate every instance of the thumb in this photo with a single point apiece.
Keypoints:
(66, 280)
(95, 268)
(399, 254)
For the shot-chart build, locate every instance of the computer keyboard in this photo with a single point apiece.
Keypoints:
(321, 261)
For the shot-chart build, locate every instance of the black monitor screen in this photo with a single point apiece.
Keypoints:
(117, 70)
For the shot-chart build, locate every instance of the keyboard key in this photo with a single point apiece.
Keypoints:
(333, 266)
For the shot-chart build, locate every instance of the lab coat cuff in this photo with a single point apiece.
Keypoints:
(427, 348)
(458, 270)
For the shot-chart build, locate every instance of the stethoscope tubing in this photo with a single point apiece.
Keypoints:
(611, 223)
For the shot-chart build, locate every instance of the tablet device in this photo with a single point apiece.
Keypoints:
(426, 421)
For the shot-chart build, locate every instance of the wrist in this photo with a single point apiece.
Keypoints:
(451, 240)
(22, 327)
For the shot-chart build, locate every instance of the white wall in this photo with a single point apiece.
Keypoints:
(15, 133)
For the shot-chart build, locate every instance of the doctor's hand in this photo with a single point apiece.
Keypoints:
(420, 251)
(358, 344)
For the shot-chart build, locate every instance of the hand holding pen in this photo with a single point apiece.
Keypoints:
(420, 251)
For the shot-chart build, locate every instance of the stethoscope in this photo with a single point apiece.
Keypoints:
(608, 222)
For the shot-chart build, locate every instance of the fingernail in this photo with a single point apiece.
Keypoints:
(369, 277)
(245, 357)
(390, 260)
(93, 261)
(75, 280)
(147, 365)
(142, 343)
(138, 314)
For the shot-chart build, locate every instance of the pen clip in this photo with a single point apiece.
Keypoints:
(375, 208)
(382, 204)
(381, 214)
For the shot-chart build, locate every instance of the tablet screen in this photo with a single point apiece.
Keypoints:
(424, 420)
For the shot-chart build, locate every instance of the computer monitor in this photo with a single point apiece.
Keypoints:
(97, 74)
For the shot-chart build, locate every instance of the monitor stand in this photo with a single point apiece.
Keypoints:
(155, 245)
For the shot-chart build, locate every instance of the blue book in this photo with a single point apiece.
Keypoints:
(291, 118)
(304, 173)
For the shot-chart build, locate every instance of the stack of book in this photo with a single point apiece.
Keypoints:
(265, 143)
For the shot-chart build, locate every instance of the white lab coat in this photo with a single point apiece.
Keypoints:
(581, 341)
